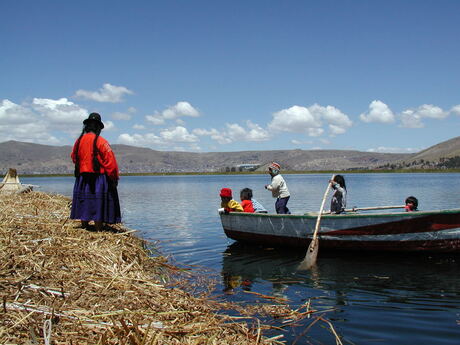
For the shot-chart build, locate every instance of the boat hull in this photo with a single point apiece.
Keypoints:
(434, 231)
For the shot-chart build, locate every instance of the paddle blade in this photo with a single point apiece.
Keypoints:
(310, 257)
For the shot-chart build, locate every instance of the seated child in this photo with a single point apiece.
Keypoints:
(246, 203)
(246, 194)
(339, 198)
(228, 203)
(411, 204)
(258, 208)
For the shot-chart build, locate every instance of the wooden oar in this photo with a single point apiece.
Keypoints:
(312, 251)
(354, 209)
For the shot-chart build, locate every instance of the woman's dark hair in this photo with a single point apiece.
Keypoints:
(413, 200)
(340, 180)
(246, 194)
(93, 127)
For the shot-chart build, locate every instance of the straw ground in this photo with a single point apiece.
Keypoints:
(60, 284)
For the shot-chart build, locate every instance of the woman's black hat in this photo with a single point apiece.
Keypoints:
(94, 117)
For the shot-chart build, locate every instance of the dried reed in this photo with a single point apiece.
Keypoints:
(61, 284)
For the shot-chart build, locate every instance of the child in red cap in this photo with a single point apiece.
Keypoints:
(228, 203)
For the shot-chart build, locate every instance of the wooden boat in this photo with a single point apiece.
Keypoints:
(11, 184)
(431, 231)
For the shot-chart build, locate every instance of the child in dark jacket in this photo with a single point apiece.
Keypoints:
(411, 204)
(246, 202)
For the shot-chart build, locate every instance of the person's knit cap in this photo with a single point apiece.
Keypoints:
(275, 165)
(226, 192)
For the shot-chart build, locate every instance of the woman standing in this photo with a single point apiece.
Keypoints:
(95, 195)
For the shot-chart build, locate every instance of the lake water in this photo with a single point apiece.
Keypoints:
(375, 298)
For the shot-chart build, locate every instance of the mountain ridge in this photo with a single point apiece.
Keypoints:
(30, 158)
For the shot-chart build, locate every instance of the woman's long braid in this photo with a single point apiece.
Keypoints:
(96, 164)
(77, 160)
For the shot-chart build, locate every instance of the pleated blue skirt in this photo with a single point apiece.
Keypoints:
(95, 198)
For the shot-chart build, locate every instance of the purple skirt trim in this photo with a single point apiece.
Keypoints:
(95, 198)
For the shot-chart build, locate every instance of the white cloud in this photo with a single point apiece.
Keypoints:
(294, 119)
(138, 127)
(431, 111)
(165, 139)
(180, 109)
(310, 120)
(47, 121)
(333, 116)
(455, 109)
(378, 112)
(12, 113)
(194, 147)
(383, 149)
(412, 118)
(108, 93)
(335, 130)
(310, 142)
(155, 119)
(235, 132)
(214, 134)
(148, 139)
(315, 132)
(20, 122)
(203, 132)
(60, 112)
(121, 116)
(109, 125)
(41, 120)
(256, 133)
(301, 142)
(178, 135)
(28, 132)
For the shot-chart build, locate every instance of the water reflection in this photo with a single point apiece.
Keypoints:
(380, 298)
(243, 264)
(387, 275)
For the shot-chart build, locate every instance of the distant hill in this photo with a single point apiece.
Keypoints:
(443, 155)
(446, 149)
(30, 158)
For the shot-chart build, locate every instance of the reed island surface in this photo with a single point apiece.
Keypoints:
(60, 284)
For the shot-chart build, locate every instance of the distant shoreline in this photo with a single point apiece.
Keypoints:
(396, 171)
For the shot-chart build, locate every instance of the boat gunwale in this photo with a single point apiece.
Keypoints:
(314, 215)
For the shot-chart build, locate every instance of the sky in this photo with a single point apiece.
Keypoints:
(214, 76)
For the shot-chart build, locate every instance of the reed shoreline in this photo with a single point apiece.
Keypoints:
(60, 284)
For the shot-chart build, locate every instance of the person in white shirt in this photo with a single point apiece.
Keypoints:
(279, 189)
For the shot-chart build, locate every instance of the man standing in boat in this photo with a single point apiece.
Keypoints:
(279, 189)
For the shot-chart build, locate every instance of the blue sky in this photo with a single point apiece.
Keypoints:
(233, 75)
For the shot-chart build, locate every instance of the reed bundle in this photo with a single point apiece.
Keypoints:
(60, 284)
